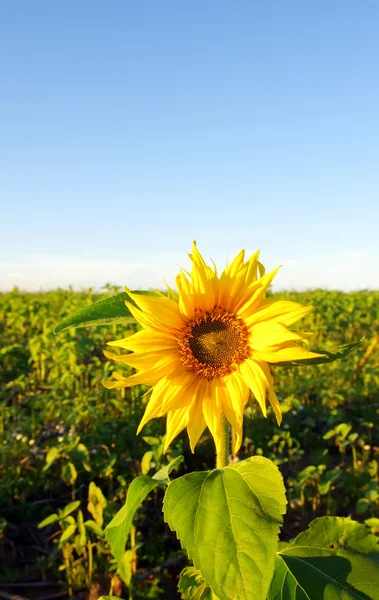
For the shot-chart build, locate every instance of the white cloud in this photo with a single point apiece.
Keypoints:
(43, 272)
(338, 270)
(341, 270)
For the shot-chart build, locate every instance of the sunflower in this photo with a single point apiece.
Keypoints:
(207, 348)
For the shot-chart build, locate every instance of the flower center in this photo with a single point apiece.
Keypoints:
(214, 344)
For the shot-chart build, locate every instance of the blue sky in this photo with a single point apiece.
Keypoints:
(128, 129)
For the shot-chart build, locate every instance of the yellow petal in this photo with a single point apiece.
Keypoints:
(149, 378)
(266, 334)
(261, 269)
(238, 437)
(250, 301)
(213, 413)
(154, 407)
(201, 270)
(146, 341)
(159, 308)
(236, 264)
(223, 399)
(203, 277)
(255, 379)
(238, 394)
(286, 354)
(250, 272)
(235, 281)
(188, 300)
(181, 390)
(177, 420)
(196, 422)
(146, 361)
(273, 399)
(280, 311)
(170, 393)
(148, 321)
(163, 367)
(234, 396)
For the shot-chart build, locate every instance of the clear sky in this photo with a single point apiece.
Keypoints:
(128, 129)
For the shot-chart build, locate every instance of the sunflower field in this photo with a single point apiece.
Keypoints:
(69, 450)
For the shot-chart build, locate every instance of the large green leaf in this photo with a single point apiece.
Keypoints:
(336, 558)
(117, 532)
(328, 357)
(102, 312)
(228, 520)
(193, 587)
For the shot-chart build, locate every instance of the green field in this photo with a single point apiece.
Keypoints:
(68, 445)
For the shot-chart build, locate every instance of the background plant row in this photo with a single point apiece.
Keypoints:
(61, 430)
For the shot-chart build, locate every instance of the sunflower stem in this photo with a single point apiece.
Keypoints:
(223, 454)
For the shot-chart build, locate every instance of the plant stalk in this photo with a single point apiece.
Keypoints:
(224, 452)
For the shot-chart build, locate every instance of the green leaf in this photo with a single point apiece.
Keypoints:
(102, 312)
(163, 474)
(82, 453)
(69, 508)
(125, 567)
(343, 430)
(70, 473)
(93, 526)
(152, 441)
(51, 456)
(193, 587)
(79, 546)
(373, 523)
(82, 530)
(96, 503)
(228, 520)
(117, 532)
(328, 357)
(67, 533)
(146, 462)
(336, 558)
(48, 521)
(362, 505)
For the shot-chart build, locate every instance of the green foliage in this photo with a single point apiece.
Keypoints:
(117, 532)
(193, 587)
(163, 475)
(51, 397)
(335, 558)
(103, 312)
(96, 503)
(228, 520)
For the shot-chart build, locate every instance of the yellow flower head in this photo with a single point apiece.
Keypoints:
(207, 350)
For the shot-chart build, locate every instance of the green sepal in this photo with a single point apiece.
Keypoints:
(228, 520)
(336, 558)
(103, 312)
(328, 357)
